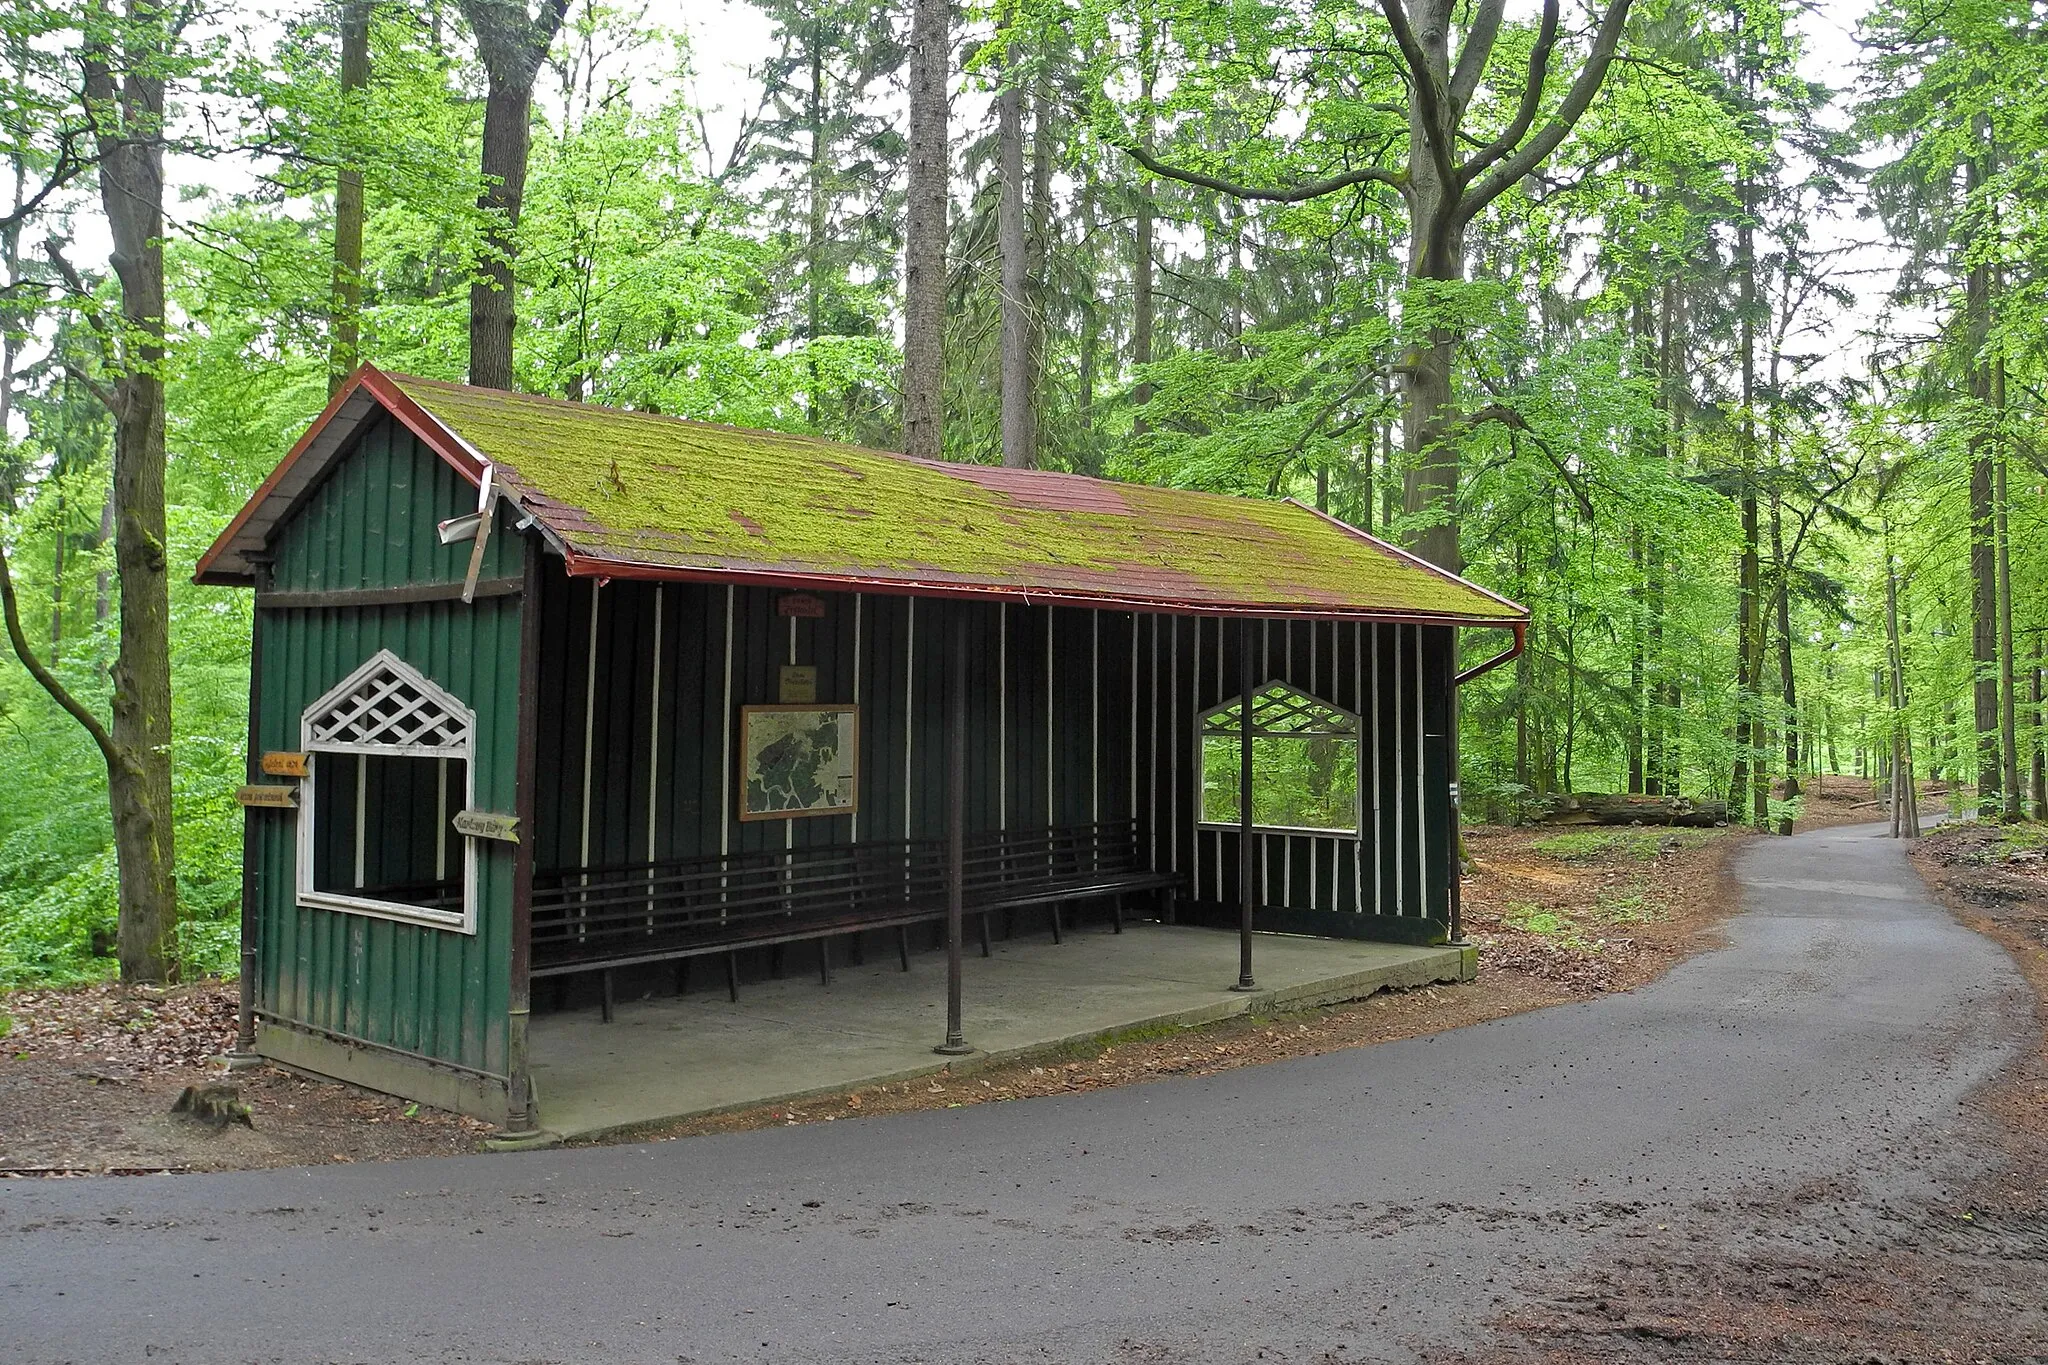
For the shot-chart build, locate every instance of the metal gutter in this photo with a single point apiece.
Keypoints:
(1481, 669)
(583, 565)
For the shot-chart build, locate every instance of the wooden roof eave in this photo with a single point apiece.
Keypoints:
(581, 564)
(226, 562)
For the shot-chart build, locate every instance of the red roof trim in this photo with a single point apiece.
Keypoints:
(388, 396)
(580, 565)
(1409, 557)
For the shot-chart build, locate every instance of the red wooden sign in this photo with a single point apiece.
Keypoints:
(799, 604)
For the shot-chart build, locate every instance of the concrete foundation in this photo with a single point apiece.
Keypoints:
(672, 1057)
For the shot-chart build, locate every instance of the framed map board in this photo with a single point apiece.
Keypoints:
(797, 760)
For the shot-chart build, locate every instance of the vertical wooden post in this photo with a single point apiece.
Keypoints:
(245, 1004)
(1246, 854)
(1452, 794)
(956, 830)
(519, 1115)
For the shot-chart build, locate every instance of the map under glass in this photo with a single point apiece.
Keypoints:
(798, 760)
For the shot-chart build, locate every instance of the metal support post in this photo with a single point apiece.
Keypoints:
(956, 1044)
(1246, 853)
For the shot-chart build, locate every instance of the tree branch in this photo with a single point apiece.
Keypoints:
(54, 249)
(1429, 95)
(1478, 49)
(48, 680)
(1514, 421)
(1532, 100)
(1284, 194)
(1575, 104)
(63, 170)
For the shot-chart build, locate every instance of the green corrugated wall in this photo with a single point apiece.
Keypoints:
(430, 991)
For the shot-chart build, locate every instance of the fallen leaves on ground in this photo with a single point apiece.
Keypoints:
(88, 1076)
(137, 1030)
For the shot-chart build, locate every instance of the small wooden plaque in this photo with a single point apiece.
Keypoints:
(799, 604)
(284, 764)
(484, 824)
(271, 796)
(797, 683)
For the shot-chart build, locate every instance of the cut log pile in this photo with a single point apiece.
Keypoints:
(1612, 808)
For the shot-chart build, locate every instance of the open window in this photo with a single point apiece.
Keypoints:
(389, 759)
(1304, 763)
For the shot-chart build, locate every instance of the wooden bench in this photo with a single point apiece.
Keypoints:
(602, 919)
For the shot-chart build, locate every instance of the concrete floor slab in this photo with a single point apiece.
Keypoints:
(673, 1057)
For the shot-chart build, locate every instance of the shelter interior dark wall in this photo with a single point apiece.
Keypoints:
(1074, 715)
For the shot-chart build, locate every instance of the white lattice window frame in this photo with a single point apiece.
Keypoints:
(1345, 725)
(408, 730)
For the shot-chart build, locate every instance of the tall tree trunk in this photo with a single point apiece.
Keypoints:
(512, 46)
(1011, 247)
(2037, 743)
(1142, 306)
(1090, 342)
(924, 230)
(346, 293)
(1788, 688)
(1637, 642)
(1672, 340)
(1747, 617)
(127, 86)
(1038, 254)
(2008, 728)
(814, 237)
(1524, 679)
(1653, 696)
(1904, 790)
(1983, 553)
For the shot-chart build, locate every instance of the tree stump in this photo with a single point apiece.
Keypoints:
(214, 1104)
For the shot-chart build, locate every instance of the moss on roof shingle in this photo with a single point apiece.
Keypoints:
(663, 492)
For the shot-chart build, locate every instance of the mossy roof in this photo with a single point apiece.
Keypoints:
(636, 494)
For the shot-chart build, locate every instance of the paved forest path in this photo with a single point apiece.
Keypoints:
(1368, 1204)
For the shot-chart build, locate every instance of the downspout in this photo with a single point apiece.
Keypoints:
(1508, 655)
(1479, 670)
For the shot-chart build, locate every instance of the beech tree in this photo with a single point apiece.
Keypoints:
(924, 228)
(512, 45)
(1424, 149)
(124, 58)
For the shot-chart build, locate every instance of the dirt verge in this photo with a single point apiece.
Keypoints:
(88, 1078)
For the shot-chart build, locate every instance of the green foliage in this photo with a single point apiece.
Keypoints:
(1609, 430)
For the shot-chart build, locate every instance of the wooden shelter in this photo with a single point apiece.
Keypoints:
(547, 692)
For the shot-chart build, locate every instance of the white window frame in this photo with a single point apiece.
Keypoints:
(1355, 733)
(315, 748)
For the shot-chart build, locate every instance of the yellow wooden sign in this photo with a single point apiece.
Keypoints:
(797, 683)
(269, 795)
(484, 824)
(284, 764)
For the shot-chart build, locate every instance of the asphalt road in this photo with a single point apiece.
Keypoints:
(1378, 1203)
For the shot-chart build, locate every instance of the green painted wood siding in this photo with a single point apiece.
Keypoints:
(431, 991)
